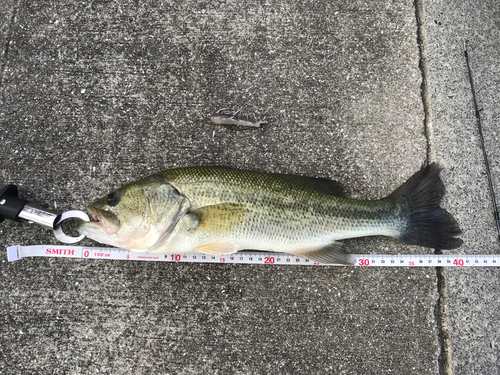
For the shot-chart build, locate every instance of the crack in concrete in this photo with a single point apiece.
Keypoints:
(8, 40)
(443, 319)
(441, 310)
(425, 90)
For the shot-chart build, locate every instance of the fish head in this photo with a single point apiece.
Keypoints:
(135, 216)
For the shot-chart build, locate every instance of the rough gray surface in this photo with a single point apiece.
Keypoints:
(95, 95)
(123, 318)
(7, 12)
(473, 294)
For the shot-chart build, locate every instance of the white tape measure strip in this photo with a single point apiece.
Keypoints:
(365, 260)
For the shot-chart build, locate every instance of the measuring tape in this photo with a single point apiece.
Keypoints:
(364, 260)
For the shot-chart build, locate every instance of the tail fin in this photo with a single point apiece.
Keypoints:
(425, 223)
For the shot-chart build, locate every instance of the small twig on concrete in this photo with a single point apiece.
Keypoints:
(487, 164)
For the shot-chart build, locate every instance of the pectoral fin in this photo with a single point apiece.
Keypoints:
(330, 254)
(221, 247)
(220, 218)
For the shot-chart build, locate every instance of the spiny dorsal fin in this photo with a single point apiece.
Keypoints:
(220, 218)
(323, 185)
(330, 254)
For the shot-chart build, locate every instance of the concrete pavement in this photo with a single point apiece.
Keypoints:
(94, 95)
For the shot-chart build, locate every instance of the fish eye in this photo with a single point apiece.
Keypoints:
(113, 198)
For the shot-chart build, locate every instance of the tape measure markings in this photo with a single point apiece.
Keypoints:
(362, 260)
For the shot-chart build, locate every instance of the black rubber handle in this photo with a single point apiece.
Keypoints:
(10, 204)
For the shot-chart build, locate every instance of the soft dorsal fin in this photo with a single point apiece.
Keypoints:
(330, 254)
(220, 218)
(323, 185)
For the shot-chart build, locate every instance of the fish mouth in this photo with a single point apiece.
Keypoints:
(108, 221)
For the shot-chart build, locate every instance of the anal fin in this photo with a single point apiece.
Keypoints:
(333, 253)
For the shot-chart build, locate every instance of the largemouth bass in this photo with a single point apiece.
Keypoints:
(217, 210)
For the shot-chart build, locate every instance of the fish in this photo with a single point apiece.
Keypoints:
(221, 210)
(225, 116)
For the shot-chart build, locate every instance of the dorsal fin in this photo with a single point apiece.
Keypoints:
(323, 185)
